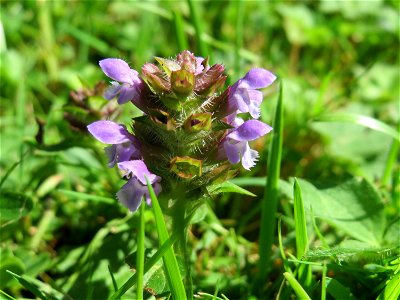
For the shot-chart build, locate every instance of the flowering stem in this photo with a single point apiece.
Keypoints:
(140, 254)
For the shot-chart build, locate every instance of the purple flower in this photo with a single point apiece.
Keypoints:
(244, 96)
(236, 146)
(124, 147)
(119, 70)
(132, 193)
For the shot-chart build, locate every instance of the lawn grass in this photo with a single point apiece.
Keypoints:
(63, 233)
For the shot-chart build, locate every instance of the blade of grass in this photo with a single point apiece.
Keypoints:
(360, 120)
(300, 221)
(323, 283)
(297, 288)
(337, 290)
(147, 266)
(115, 286)
(169, 258)
(390, 161)
(270, 199)
(238, 35)
(140, 253)
(194, 13)
(180, 31)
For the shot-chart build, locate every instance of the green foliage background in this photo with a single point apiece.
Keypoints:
(61, 227)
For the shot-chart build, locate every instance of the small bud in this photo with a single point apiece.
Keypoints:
(182, 82)
(168, 65)
(186, 166)
(187, 61)
(153, 76)
(163, 118)
(198, 122)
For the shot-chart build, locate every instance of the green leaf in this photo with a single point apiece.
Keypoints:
(353, 206)
(14, 205)
(228, 187)
(337, 290)
(360, 120)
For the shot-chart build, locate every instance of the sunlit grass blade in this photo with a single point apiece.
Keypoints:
(197, 23)
(180, 31)
(392, 289)
(238, 35)
(270, 200)
(5, 296)
(169, 258)
(114, 282)
(391, 161)
(300, 221)
(140, 253)
(297, 288)
(360, 120)
(323, 282)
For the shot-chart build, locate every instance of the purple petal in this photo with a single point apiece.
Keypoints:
(111, 153)
(250, 130)
(138, 169)
(118, 70)
(109, 132)
(232, 151)
(113, 90)
(249, 157)
(240, 99)
(131, 194)
(127, 93)
(257, 78)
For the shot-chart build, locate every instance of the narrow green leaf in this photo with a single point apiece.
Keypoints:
(169, 258)
(337, 290)
(300, 221)
(180, 31)
(228, 187)
(360, 120)
(270, 199)
(297, 288)
(113, 279)
(197, 23)
(140, 253)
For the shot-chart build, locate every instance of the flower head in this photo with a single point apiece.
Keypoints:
(190, 136)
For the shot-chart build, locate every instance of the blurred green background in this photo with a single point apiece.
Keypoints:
(66, 229)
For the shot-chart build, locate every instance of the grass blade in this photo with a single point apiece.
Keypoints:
(300, 221)
(270, 200)
(337, 290)
(297, 288)
(180, 31)
(169, 258)
(140, 254)
(360, 120)
(194, 12)
(238, 35)
(114, 282)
